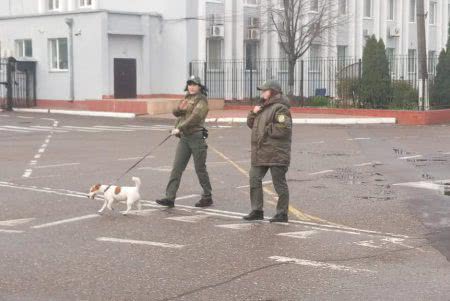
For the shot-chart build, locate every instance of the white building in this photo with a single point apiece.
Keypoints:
(142, 48)
(121, 49)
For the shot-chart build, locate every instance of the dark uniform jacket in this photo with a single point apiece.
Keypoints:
(191, 113)
(271, 133)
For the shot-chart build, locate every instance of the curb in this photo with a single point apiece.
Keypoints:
(78, 113)
(327, 121)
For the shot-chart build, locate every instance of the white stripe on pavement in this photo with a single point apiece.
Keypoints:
(65, 221)
(410, 157)
(318, 264)
(140, 242)
(247, 186)
(10, 231)
(57, 165)
(135, 158)
(15, 222)
(299, 234)
(188, 218)
(12, 130)
(321, 172)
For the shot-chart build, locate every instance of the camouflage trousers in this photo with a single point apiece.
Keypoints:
(278, 173)
(192, 145)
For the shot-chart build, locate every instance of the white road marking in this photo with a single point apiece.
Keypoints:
(37, 156)
(48, 128)
(82, 129)
(57, 165)
(321, 172)
(368, 164)
(247, 186)
(20, 128)
(156, 169)
(410, 157)
(191, 196)
(10, 231)
(27, 173)
(25, 117)
(112, 129)
(65, 221)
(300, 234)
(12, 130)
(447, 153)
(134, 158)
(242, 226)
(353, 139)
(15, 222)
(368, 243)
(318, 264)
(140, 242)
(188, 219)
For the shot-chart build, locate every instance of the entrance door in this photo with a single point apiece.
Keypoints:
(125, 78)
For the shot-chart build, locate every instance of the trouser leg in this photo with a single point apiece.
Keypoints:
(280, 184)
(199, 153)
(182, 156)
(257, 173)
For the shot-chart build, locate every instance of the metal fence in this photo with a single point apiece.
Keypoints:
(334, 78)
(17, 83)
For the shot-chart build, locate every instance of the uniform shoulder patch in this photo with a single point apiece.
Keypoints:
(281, 118)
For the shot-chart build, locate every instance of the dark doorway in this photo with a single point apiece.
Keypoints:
(125, 78)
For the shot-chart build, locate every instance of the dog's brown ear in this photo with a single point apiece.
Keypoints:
(95, 187)
(117, 190)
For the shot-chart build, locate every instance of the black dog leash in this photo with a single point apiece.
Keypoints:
(135, 164)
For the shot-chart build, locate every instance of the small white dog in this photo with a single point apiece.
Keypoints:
(130, 195)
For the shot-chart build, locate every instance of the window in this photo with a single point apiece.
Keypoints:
(368, 8)
(53, 5)
(412, 10)
(391, 10)
(85, 3)
(283, 58)
(412, 60)
(342, 8)
(251, 2)
(432, 61)
(59, 54)
(315, 5)
(251, 54)
(215, 54)
(432, 13)
(24, 48)
(341, 56)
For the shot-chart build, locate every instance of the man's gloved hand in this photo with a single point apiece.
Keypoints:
(175, 132)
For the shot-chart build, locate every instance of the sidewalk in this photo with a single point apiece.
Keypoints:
(240, 116)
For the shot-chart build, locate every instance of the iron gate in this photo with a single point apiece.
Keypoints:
(17, 83)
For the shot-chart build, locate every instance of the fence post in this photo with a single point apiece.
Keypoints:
(251, 82)
(205, 71)
(302, 68)
(190, 68)
(9, 83)
(359, 82)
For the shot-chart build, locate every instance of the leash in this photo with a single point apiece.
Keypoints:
(135, 164)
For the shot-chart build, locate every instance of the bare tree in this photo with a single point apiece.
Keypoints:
(299, 24)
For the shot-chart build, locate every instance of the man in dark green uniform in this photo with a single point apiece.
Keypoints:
(191, 114)
(271, 125)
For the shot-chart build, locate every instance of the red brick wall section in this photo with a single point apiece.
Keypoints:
(403, 117)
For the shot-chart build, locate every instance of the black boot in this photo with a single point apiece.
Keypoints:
(255, 215)
(204, 202)
(166, 202)
(279, 218)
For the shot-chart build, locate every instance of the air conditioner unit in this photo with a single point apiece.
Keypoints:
(394, 32)
(253, 34)
(217, 31)
(253, 22)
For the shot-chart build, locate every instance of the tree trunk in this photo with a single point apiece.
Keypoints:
(291, 77)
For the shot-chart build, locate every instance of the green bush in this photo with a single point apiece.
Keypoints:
(317, 101)
(376, 89)
(440, 88)
(404, 96)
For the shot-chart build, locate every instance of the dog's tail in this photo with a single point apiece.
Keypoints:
(137, 181)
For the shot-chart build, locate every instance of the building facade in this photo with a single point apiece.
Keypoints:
(140, 49)
(137, 48)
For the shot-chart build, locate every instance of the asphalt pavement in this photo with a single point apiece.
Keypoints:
(369, 216)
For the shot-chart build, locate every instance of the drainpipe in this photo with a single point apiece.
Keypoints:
(69, 22)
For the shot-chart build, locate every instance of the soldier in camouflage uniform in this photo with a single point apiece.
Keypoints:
(191, 114)
(271, 125)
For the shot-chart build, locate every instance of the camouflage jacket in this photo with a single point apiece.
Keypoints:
(191, 113)
(271, 133)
